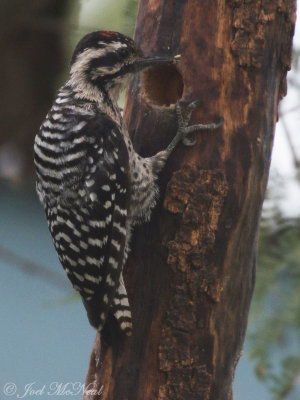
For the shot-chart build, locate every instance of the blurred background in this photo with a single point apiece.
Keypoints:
(38, 309)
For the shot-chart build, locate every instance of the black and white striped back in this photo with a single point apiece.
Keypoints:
(82, 170)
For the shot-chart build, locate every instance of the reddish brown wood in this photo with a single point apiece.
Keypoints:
(191, 272)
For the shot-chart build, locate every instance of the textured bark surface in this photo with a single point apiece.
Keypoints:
(191, 272)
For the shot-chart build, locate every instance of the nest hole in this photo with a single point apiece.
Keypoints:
(162, 85)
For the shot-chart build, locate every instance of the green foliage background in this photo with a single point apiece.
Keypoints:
(274, 324)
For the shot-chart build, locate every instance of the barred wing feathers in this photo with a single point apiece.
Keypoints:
(89, 225)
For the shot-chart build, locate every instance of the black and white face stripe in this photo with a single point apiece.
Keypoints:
(101, 40)
(106, 63)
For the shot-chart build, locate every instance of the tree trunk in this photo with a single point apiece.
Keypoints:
(190, 275)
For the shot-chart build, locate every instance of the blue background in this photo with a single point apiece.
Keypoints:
(45, 335)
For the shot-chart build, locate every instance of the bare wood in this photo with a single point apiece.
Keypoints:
(191, 271)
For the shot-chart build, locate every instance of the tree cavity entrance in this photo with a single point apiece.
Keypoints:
(162, 85)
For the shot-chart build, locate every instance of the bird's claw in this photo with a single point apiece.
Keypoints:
(184, 130)
(184, 113)
(184, 116)
(189, 142)
(193, 105)
(220, 123)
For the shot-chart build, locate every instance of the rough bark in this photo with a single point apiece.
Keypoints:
(191, 271)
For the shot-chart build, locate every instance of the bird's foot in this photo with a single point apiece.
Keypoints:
(184, 130)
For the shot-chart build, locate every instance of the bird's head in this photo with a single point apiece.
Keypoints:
(107, 59)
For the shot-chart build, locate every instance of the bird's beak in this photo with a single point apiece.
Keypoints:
(153, 61)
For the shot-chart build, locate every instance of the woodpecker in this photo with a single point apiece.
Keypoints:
(93, 185)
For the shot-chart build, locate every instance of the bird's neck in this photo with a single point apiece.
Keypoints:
(105, 96)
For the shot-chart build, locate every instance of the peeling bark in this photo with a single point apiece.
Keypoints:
(191, 272)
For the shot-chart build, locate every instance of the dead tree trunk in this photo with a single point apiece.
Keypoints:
(191, 271)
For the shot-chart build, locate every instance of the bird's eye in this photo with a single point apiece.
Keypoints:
(124, 52)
